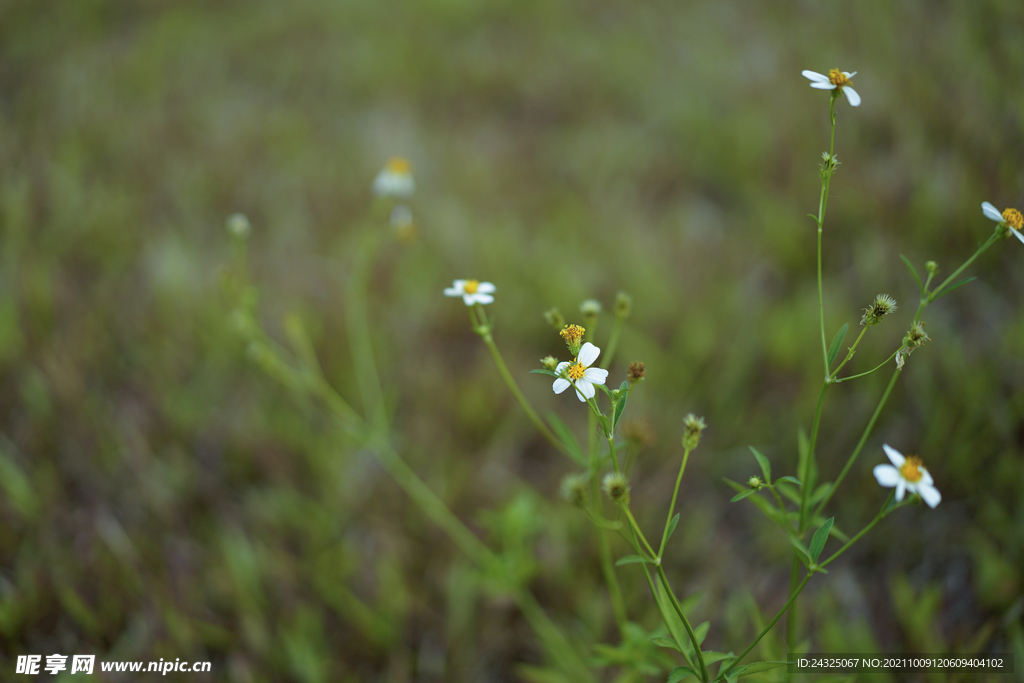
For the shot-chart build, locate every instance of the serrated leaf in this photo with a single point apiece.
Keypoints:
(620, 405)
(792, 480)
(766, 467)
(632, 559)
(756, 667)
(567, 438)
(837, 341)
(661, 641)
(819, 538)
(914, 273)
(949, 289)
(680, 673)
(672, 527)
(743, 494)
(541, 371)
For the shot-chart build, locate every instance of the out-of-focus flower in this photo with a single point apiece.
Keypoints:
(907, 474)
(238, 225)
(580, 374)
(395, 179)
(1011, 218)
(472, 291)
(403, 224)
(835, 79)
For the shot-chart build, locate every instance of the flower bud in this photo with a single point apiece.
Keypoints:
(635, 373)
(573, 336)
(574, 489)
(555, 319)
(623, 304)
(549, 363)
(616, 487)
(932, 267)
(238, 226)
(590, 309)
(692, 428)
(755, 483)
(882, 306)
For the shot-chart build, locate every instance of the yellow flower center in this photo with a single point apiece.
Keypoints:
(572, 334)
(837, 78)
(1014, 218)
(470, 286)
(399, 166)
(913, 469)
(576, 371)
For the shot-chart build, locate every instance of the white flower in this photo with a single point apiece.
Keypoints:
(1012, 218)
(395, 179)
(579, 373)
(907, 474)
(835, 79)
(471, 291)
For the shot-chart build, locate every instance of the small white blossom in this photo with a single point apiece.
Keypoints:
(580, 374)
(907, 474)
(395, 179)
(1012, 218)
(472, 291)
(835, 79)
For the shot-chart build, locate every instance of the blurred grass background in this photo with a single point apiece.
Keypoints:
(163, 498)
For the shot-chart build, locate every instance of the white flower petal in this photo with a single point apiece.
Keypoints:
(470, 299)
(887, 475)
(588, 354)
(595, 375)
(926, 477)
(814, 75)
(562, 366)
(585, 387)
(484, 298)
(901, 489)
(991, 212)
(929, 494)
(452, 291)
(852, 95)
(849, 75)
(560, 385)
(580, 396)
(895, 457)
(486, 288)
(823, 86)
(1017, 233)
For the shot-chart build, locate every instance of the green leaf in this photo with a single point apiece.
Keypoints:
(837, 341)
(820, 536)
(792, 480)
(701, 631)
(661, 641)
(770, 511)
(668, 612)
(949, 289)
(914, 273)
(710, 656)
(805, 555)
(756, 667)
(820, 492)
(743, 494)
(541, 371)
(766, 467)
(787, 492)
(567, 438)
(632, 559)
(672, 527)
(680, 673)
(620, 405)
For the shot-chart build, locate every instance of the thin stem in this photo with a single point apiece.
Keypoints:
(672, 506)
(881, 513)
(805, 489)
(981, 249)
(613, 342)
(664, 616)
(559, 646)
(614, 590)
(791, 621)
(367, 376)
(640, 534)
(849, 354)
(860, 444)
(876, 368)
(822, 204)
(792, 597)
(686, 623)
(782, 505)
(615, 459)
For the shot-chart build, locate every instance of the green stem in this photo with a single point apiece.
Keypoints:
(881, 513)
(615, 459)
(981, 249)
(614, 590)
(559, 646)
(664, 617)
(849, 354)
(791, 621)
(792, 597)
(638, 532)
(876, 368)
(860, 444)
(672, 506)
(360, 340)
(686, 623)
(822, 204)
(805, 489)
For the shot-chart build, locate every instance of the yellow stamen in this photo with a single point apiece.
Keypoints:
(572, 334)
(913, 469)
(576, 371)
(837, 78)
(399, 165)
(1014, 218)
(470, 286)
